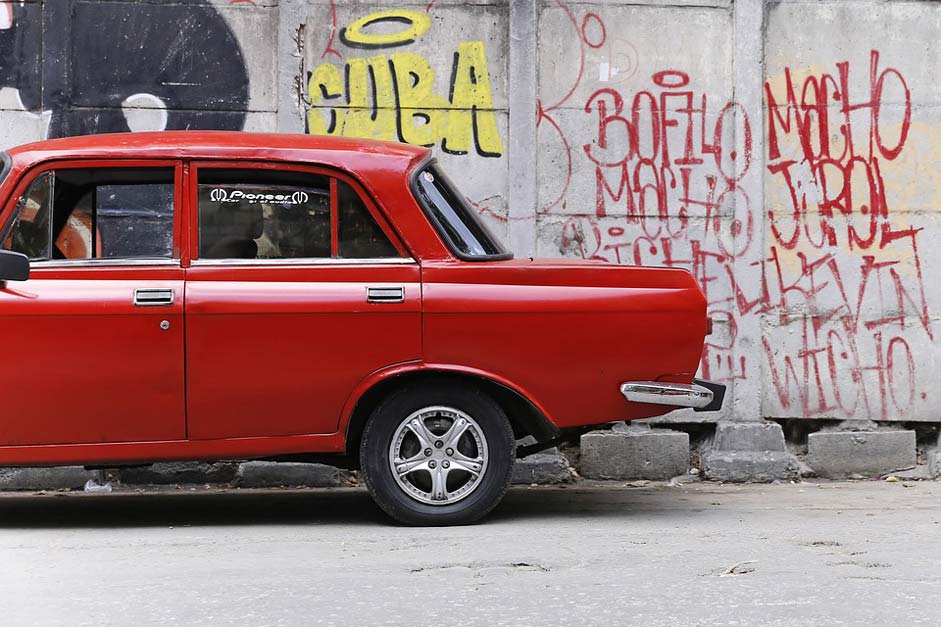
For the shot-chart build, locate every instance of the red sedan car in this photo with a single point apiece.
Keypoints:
(211, 295)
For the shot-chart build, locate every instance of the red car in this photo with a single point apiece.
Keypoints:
(213, 295)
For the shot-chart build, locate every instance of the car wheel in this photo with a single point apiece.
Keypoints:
(438, 455)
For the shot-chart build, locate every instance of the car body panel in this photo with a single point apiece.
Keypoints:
(312, 337)
(591, 326)
(64, 330)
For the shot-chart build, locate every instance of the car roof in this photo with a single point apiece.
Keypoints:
(215, 144)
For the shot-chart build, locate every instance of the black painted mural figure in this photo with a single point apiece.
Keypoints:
(87, 62)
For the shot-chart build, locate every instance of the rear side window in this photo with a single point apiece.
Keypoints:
(275, 214)
(454, 218)
(95, 213)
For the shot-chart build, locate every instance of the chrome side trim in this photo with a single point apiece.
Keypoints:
(326, 261)
(660, 393)
(82, 264)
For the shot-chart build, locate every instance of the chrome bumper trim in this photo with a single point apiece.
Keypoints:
(659, 393)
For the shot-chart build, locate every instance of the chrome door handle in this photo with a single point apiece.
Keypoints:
(153, 297)
(385, 294)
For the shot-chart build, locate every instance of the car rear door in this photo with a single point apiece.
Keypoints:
(297, 291)
(93, 341)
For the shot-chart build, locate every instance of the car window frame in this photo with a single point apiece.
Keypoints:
(28, 177)
(440, 228)
(385, 225)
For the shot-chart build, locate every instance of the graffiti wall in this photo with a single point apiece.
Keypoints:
(807, 210)
(74, 67)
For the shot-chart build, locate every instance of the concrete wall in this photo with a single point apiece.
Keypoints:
(786, 152)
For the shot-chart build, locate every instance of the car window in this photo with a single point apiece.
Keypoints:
(359, 235)
(282, 214)
(96, 213)
(29, 233)
(453, 217)
(135, 220)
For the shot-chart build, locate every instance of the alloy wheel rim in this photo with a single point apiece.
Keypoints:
(438, 455)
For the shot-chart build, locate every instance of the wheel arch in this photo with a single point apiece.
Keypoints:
(525, 415)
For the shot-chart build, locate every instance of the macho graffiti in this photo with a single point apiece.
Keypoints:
(840, 139)
(179, 60)
(394, 96)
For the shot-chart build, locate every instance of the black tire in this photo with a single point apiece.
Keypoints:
(377, 441)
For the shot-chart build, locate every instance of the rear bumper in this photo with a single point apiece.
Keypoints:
(700, 395)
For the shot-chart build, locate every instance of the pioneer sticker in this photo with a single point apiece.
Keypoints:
(222, 195)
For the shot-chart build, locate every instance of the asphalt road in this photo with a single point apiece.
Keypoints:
(705, 554)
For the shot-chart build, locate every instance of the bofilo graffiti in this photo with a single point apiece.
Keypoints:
(95, 67)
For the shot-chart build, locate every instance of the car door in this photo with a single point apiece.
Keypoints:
(93, 341)
(298, 290)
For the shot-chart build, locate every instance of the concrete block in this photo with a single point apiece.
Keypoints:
(852, 425)
(289, 474)
(838, 454)
(749, 451)
(634, 454)
(757, 466)
(60, 478)
(545, 467)
(179, 472)
(749, 436)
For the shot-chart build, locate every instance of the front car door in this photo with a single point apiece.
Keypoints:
(93, 341)
(299, 290)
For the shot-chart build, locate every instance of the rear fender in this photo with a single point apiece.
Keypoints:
(528, 416)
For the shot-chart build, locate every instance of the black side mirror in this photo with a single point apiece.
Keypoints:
(13, 266)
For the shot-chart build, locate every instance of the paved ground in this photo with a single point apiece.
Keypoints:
(704, 554)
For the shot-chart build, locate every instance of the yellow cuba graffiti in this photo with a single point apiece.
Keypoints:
(393, 97)
(417, 24)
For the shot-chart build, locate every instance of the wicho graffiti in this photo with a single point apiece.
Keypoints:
(93, 66)
(393, 96)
